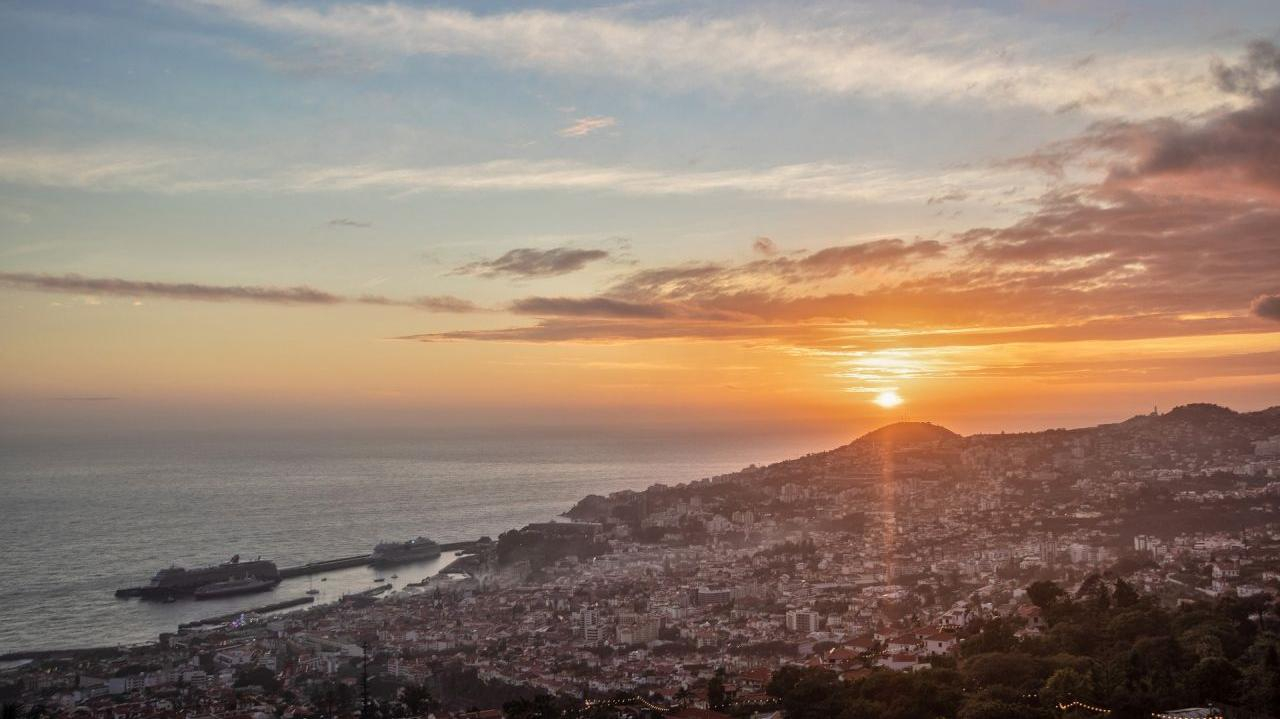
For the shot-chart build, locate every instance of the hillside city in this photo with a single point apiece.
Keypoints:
(1130, 569)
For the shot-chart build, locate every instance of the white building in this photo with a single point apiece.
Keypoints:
(803, 621)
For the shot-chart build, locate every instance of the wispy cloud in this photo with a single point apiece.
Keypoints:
(531, 262)
(347, 222)
(804, 181)
(764, 246)
(78, 284)
(175, 172)
(300, 295)
(15, 215)
(587, 125)
(586, 307)
(875, 51)
(432, 303)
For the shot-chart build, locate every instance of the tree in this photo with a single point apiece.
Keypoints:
(417, 699)
(1065, 686)
(993, 709)
(1125, 596)
(806, 693)
(994, 636)
(332, 697)
(542, 706)
(1044, 593)
(1212, 679)
(1089, 586)
(258, 677)
(716, 697)
(1006, 669)
(1102, 600)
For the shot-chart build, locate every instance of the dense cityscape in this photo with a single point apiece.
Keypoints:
(1129, 569)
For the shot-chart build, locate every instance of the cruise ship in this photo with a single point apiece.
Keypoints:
(178, 581)
(414, 550)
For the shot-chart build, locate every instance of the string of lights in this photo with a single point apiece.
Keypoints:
(1065, 706)
(1081, 705)
(626, 700)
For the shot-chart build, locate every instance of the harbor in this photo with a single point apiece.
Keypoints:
(182, 597)
(167, 590)
(362, 560)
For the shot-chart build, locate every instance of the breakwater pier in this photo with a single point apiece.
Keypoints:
(358, 560)
(301, 570)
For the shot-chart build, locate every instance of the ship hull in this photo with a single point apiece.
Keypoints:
(219, 592)
(406, 558)
(174, 583)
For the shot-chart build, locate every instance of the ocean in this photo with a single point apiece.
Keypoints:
(80, 518)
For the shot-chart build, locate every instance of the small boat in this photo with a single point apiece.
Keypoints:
(313, 591)
(379, 579)
(395, 576)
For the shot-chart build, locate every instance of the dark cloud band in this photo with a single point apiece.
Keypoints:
(530, 262)
(302, 295)
(78, 284)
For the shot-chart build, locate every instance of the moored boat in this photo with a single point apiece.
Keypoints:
(176, 582)
(414, 550)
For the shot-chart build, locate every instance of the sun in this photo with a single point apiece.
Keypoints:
(888, 399)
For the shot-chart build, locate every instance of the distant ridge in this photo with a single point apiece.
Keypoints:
(1210, 421)
(1202, 415)
(1196, 412)
(1200, 424)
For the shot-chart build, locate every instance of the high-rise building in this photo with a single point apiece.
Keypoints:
(638, 628)
(803, 621)
(704, 596)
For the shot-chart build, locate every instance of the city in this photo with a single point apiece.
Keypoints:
(910, 550)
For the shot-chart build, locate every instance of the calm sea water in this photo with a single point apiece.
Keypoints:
(79, 519)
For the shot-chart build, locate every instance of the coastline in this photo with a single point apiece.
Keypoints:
(294, 501)
(467, 559)
(266, 612)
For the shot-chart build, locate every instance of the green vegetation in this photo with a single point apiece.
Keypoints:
(1106, 646)
(258, 677)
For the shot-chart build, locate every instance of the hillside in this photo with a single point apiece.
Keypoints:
(1144, 442)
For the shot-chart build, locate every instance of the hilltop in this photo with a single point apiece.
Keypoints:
(906, 433)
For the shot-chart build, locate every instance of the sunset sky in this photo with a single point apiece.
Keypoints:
(1013, 215)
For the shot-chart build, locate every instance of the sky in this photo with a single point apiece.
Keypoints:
(995, 216)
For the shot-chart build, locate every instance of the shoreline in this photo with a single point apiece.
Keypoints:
(465, 554)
